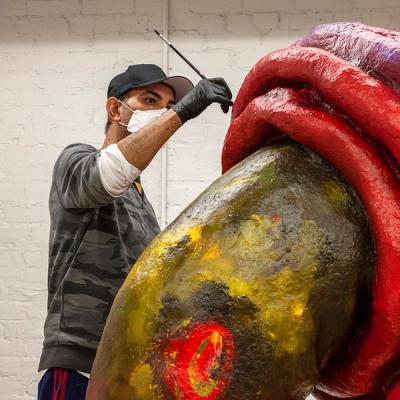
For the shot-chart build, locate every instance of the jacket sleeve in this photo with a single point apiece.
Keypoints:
(77, 180)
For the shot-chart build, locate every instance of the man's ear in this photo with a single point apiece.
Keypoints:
(113, 109)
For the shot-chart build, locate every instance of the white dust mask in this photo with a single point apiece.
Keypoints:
(140, 118)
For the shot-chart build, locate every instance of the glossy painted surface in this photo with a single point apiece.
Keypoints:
(259, 278)
(344, 110)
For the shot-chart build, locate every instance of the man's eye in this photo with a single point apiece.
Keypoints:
(150, 100)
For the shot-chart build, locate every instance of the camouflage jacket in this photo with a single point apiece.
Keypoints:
(95, 239)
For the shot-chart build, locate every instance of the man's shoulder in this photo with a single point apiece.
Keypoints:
(77, 147)
(74, 150)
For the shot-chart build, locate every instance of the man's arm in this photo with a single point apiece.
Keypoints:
(140, 148)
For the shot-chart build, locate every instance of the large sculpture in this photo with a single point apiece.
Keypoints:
(283, 277)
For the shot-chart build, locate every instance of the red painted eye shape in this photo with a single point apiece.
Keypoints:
(197, 363)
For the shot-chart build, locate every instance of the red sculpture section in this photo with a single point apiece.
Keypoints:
(326, 101)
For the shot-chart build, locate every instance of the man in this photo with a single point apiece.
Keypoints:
(101, 219)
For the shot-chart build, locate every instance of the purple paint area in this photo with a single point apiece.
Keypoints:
(374, 50)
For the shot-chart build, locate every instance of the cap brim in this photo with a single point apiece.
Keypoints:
(180, 84)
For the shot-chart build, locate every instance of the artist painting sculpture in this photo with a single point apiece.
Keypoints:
(101, 219)
(282, 278)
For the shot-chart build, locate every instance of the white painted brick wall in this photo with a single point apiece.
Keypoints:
(56, 59)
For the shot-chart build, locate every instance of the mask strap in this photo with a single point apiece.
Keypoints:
(128, 109)
(125, 105)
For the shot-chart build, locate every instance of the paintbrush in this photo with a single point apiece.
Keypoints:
(179, 53)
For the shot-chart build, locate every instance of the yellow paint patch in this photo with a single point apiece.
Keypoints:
(195, 233)
(297, 308)
(170, 239)
(195, 242)
(212, 252)
(186, 322)
(237, 182)
(171, 355)
(336, 193)
(141, 382)
(239, 287)
(256, 235)
(285, 317)
(257, 218)
(216, 339)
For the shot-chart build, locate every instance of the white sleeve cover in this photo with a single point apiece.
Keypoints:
(116, 174)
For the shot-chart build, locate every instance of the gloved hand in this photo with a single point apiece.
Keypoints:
(207, 91)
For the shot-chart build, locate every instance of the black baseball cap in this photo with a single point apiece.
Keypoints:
(146, 74)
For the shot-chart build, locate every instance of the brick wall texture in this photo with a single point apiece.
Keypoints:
(56, 59)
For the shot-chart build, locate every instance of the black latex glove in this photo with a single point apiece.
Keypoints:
(206, 92)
